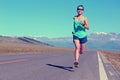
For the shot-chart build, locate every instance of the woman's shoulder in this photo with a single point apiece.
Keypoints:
(84, 17)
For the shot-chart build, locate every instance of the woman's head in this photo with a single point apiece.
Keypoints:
(80, 9)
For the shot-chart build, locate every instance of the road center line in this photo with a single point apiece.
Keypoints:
(12, 61)
(103, 75)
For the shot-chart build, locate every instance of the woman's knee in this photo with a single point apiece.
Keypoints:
(82, 51)
(77, 48)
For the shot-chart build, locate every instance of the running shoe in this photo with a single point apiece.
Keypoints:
(76, 64)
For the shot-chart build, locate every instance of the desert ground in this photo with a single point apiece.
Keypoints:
(113, 57)
(26, 45)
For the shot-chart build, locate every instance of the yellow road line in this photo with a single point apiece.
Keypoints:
(12, 61)
(103, 75)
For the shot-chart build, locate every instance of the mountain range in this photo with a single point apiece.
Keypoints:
(97, 40)
(7, 40)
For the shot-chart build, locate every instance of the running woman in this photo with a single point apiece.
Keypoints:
(79, 33)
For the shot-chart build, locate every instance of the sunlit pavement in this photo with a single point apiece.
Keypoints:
(53, 66)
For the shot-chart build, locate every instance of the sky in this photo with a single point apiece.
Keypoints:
(54, 18)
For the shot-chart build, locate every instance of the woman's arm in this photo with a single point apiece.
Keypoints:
(86, 23)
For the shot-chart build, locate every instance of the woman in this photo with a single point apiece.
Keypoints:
(79, 33)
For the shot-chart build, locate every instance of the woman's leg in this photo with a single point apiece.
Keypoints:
(82, 48)
(77, 50)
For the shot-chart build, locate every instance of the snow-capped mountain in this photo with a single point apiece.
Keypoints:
(100, 40)
(97, 40)
(106, 36)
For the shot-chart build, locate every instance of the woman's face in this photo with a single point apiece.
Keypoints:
(80, 10)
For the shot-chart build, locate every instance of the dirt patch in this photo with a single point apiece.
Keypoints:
(5, 49)
(113, 57)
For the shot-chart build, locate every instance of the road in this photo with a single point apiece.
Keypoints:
(54, 66)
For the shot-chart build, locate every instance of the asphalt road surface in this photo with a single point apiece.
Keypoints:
(55, 66)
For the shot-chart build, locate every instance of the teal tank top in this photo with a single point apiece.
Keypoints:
(79, 29)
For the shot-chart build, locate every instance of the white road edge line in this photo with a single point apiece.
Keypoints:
(102, 73)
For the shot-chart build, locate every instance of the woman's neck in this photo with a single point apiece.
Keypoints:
(79, 15)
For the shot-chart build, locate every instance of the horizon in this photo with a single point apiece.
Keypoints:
(57, 37)
(54, 18)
